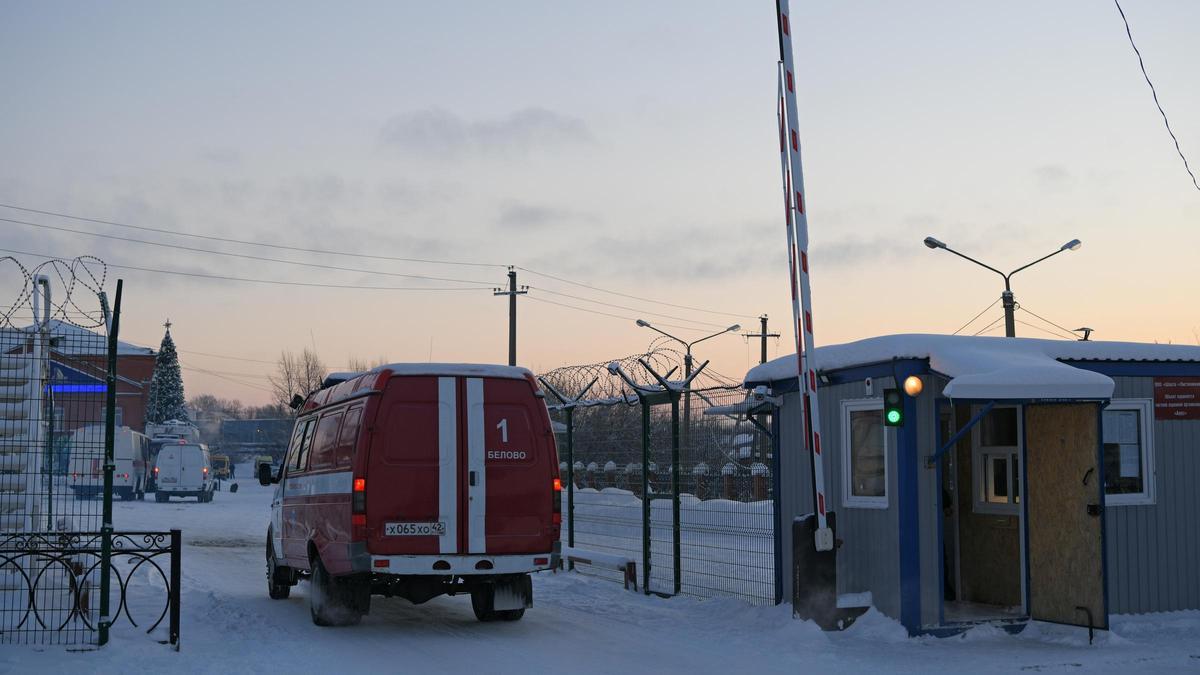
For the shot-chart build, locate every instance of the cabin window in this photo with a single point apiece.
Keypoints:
(1128, 452)
(997, 462)
(864, 455)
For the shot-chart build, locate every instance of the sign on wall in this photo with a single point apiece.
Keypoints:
(1177, 398)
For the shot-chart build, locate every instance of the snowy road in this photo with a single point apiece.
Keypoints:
(577, 625)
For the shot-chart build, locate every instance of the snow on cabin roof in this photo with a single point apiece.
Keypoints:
(989, 367)
(76, 341)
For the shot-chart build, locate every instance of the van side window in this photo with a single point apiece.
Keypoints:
(305, 443)
(323, 441)
(343, 455)
(289, 459)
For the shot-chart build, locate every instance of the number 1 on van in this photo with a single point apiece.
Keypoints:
(503, 427)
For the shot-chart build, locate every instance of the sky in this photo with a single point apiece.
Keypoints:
(627, 146)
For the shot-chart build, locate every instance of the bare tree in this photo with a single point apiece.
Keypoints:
(358, 364)
(296, 374)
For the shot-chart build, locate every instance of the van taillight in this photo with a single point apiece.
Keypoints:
(358, 499)
(358, 510)
(556, 501)
(156, 471)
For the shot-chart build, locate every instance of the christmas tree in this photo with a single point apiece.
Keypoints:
(166, 385)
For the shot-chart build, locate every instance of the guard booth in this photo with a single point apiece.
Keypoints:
(1031, 479)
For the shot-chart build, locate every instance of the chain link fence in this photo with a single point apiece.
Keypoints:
(616, 452)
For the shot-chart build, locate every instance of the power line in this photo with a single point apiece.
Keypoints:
(1154, 93)
(615, 316)
(244, 242)
(976, 317)
(246, 256)
(1044, 330)
(222, 277)
(331, 252)
(1068, 331)
(631, 297)
(226, 378)
(632, 309)
(989, 326)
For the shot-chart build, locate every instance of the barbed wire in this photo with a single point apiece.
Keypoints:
(74, 299)
(660, 355)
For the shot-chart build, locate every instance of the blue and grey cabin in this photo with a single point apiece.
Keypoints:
(1031, 479)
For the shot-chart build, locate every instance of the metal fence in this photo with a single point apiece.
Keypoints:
(58, 435)
(707, 527)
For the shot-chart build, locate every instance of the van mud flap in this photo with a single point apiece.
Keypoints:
(513, 593)
(814, 578)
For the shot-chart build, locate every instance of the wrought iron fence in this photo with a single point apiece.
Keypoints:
(64, 453)
(616, 461)
(56, 597)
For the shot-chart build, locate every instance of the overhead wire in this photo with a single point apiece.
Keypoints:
(1044, 330)
(989, 326)
(245, 256)
(632, 297)
(1154, 93)
(1070, 332)
(976, 317)
(244, 242)
(615, 316)
(274, 282)
(632, 309)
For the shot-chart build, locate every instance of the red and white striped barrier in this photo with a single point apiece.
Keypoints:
(797, 243)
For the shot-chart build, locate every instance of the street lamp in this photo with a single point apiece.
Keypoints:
(1010, 328)
(687, 369)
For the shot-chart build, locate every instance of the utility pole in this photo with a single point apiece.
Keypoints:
(512, 294)
(763, 334)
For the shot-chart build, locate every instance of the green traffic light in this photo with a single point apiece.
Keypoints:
(893, 416)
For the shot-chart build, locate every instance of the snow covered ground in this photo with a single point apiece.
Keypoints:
(577, 625)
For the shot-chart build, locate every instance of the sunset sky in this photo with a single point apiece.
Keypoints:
(630, 146)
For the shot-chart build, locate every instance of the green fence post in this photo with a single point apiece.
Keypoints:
(570, 412)
(645, 496)
(110, 418)
(675, 489)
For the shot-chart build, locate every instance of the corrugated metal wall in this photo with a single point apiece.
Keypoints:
(867, 561)
(1154, 550)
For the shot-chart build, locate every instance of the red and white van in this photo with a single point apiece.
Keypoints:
(416, 480)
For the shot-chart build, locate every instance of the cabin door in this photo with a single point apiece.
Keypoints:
(1064, 517)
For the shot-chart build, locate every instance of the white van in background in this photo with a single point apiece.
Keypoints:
(183, 470)
(86, 475)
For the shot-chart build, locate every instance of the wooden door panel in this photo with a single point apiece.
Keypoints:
(1066, 552)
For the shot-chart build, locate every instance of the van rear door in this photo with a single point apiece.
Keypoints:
(512, 461)
(191, 467)
(170, 460)
(413, 468)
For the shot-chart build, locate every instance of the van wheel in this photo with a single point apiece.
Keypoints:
(512, 614)
(330, 598)
(280, 579)
(126, 495)
(482, 599)
(161, 496)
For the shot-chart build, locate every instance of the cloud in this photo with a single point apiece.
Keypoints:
(436, 132)
(522, 216)
(1053, 178)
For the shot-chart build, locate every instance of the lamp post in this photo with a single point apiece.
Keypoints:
(687, 370)
(1010, 305)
